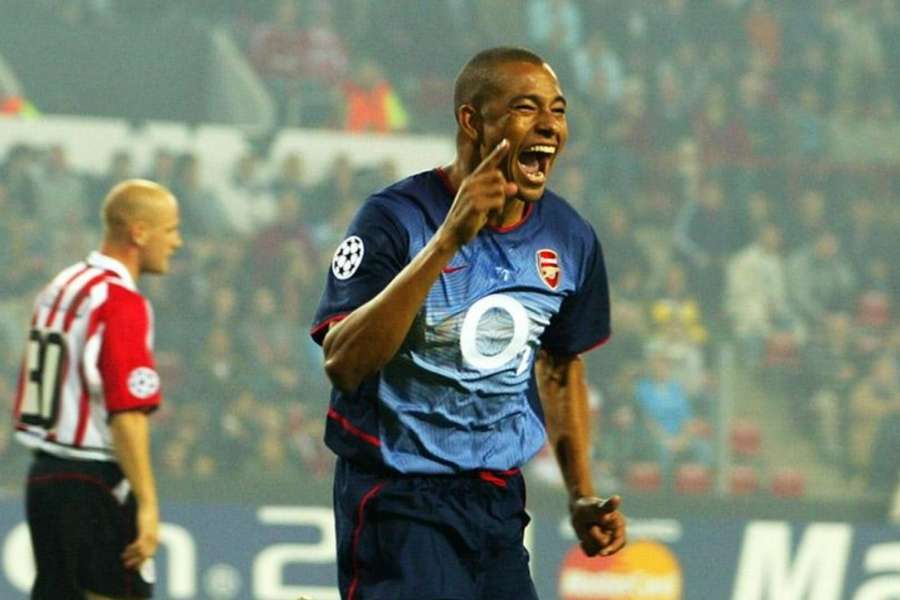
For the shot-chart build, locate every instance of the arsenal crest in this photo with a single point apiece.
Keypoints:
(548, 267)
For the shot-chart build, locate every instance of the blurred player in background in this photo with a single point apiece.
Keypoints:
(87, 385)
(458, 295)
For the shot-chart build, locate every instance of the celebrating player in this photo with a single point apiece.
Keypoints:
(87, 385)
(458, 295)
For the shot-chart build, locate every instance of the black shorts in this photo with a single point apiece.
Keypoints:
(437, 537)
(80, 523)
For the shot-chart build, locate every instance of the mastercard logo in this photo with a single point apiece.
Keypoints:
(643, 570)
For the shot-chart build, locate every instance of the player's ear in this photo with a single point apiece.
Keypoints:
(469, 121)
(138, 233)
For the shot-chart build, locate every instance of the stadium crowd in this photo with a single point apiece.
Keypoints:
(739, 159)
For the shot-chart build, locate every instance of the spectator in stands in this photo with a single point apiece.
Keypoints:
(677, 303)
(163, 168)
(633, 135)
(7, 229)
(290, 176)
(120, 168)
(865, 237)
(60, 192)
(832, 369)
(671, 110)
(860, 55)
(886, 122)
(806, 134)
(889, 31)
(277, 51)
(273, 348)
(876, 424)
(706, 233)
(370, 102)
(756, 297)
(761, 117)
(622, 424)
(336, 194)
(629, 312)
(286, 236)
(724, 140)
(848, 142)
(764, 31)
(725, 62)
(220, 367)
(689, 70)
(669, 417)
(597, 59)
(271, 451)
(678, 332)
(807, 218)
(17, 177)
(187, 446)
(237, 427)
(758, 211)
(325, 65)
(820, 279)
(554, 28)
(620, 242)
(223, 311)
(812, 67)
(244, 197)
(202, 212)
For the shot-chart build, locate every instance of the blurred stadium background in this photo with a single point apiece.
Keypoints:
(739, 158)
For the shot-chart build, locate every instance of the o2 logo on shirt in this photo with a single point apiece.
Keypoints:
(347, 257)
(143, 382)
(517, 344)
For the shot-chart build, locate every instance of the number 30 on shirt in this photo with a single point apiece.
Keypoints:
(46, 360)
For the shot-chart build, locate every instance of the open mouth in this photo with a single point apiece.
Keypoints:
(534, 162)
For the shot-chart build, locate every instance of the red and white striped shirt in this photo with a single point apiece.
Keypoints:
(89, 355)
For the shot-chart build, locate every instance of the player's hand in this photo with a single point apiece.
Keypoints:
(481, 195)
(144, 546)
(598, 524)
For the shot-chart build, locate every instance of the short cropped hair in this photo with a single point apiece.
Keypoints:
(477, 80)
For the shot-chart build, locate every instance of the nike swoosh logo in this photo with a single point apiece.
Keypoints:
(452, 269)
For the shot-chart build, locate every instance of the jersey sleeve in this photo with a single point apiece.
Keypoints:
(583, 321)
(126, 364)
(372, 253)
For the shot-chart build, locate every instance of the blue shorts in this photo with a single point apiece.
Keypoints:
(430, 537)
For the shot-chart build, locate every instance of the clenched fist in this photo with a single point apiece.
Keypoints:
(599, 525)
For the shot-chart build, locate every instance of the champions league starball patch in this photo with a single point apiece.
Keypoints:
(347, 257)
(143, 382)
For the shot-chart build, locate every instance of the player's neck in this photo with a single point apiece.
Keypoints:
(455, 172)
(125, 254)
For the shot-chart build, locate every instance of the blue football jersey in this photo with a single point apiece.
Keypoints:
(460, 393)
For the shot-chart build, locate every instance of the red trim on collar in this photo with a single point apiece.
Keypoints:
(446, 180)
(529, 206)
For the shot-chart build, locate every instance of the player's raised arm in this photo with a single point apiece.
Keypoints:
(599, 525)
(363, 342)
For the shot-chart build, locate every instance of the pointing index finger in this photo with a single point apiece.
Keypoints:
(596, 507)
(492, 160)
